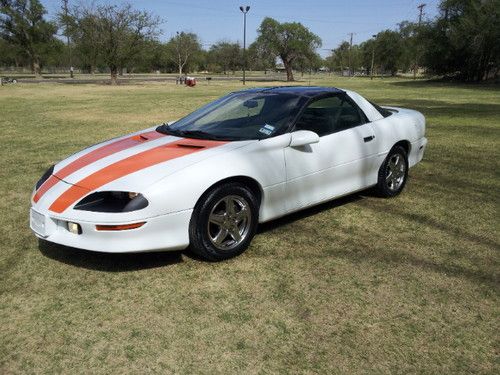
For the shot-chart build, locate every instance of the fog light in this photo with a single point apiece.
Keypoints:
(74, 228)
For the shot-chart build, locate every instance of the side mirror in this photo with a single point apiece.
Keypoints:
(303, 138)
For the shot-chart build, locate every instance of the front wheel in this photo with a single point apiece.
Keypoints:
(393, 173)
(224, 222)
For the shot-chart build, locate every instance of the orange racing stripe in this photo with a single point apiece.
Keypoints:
(93, 156)
(130, 165)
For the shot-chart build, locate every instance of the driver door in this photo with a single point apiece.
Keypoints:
(341, 162)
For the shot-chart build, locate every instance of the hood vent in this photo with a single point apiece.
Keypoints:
(190, 145)
(140, 138)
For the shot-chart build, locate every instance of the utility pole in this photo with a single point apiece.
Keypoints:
(66, 21)
(244, 10)
(373, 57)
(350, 52)
(421, 11)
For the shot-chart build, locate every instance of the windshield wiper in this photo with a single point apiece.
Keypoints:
(165, 129)
(199, 134)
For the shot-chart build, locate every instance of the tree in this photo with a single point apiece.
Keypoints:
(340, 56)
(366, 51)
(260, 58)
(113, 34)
(308, 63)
(182, 49)
(22, 24)
(411, 49)
(11, 55)
(463, 40)
(201, 60)
(82, 28)
(151, 58)
(52, 54)
(226, 55)
(388, 51)
(329, 62)
(288, 41)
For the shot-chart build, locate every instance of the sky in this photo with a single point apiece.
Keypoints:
(331, 20)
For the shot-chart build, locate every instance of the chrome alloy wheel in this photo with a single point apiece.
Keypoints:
(396, 172)
(229, 222)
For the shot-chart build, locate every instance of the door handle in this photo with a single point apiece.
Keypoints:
(368, 139)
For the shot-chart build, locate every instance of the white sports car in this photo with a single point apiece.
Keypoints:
(209, 178)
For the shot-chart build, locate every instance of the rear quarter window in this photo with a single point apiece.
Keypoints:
(384, 112)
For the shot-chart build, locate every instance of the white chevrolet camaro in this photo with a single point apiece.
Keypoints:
(208, 179)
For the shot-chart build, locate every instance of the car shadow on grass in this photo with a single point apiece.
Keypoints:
(108, 262)
(314, 210)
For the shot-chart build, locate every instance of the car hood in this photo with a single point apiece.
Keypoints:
(129, 163)
(138, 160)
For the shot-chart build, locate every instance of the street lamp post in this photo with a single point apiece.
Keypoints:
(244, 10)
(373, 58)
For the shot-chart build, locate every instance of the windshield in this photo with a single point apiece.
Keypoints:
(239, 116)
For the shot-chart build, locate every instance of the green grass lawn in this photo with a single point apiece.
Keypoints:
(358, 285)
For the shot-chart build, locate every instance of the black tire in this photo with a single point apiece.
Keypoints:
(204, 234)
(388, 186)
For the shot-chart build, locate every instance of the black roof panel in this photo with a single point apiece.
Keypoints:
(297, 90)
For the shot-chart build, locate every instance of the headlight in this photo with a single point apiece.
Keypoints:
(112, 201)
(44, 178)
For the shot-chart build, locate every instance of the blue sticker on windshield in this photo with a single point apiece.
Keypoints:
(267, 129)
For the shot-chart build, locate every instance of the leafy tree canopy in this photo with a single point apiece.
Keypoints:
(288, 41)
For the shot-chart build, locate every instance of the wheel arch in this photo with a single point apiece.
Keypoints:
(247, 181)
(405, 144)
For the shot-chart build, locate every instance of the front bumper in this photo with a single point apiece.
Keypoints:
(165, 232)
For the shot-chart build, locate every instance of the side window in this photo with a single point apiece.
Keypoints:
(349, 116)
(329, 115)
(320, 115)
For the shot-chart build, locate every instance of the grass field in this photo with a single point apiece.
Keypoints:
(358, 285)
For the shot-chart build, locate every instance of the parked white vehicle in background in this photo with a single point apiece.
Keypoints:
(209, 178)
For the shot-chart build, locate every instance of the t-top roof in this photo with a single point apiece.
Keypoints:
(297, 90)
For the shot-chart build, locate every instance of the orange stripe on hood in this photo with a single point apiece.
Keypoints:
(93, 156)
(130, 165)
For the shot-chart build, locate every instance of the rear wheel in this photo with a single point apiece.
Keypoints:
(224, 222)
(393, 173)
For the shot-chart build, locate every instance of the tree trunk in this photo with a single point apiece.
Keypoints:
(180, 70)
(35, 67)
(289, 72)
(114, 72)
